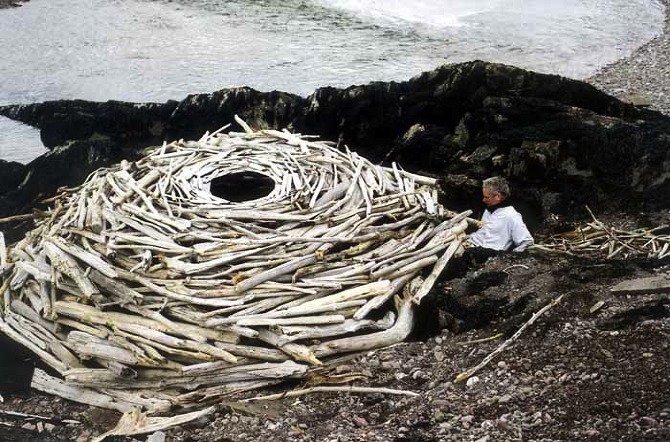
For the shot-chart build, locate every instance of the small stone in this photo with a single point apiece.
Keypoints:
(360, 422)
(438, 340)
(597, 306)
(647, 355)
(468, 419)
(49, 427)
(418, 375)
(503, 424)
(28, 426)
(472, 381)
(505, 398)
(439, 356)
(40, 427)
(158, 436)
(340, 369)
(486, 438)
(648, 421)
(487, 424)
(592, 432)
(400, 376)
(502, 365)
(438, 416)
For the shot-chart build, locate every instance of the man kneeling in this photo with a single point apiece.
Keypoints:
(503, 228)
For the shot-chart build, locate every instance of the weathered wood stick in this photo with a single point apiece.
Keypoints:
(51, 385)
(454, 249)
(328, 389)
(11, 219)
(471, 371)
(45, 356)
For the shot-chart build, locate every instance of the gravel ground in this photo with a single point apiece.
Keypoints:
(573, 375)
(644, 77)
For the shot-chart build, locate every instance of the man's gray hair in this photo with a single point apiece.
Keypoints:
(497, 184)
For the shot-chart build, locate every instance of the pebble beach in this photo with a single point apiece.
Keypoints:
(592, 367)
(643, 78)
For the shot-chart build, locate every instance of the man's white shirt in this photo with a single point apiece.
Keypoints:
(503, 229)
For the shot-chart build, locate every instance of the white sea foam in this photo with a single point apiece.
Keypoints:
(433, 13)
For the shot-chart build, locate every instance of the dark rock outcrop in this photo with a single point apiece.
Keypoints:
(11, 3)
(561, 142)
(70, 120)
(67, 165)
(11, 174)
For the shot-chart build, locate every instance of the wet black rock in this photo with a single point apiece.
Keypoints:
(66, 165)
(199, 113)
(11, 174)
(78, 120)
(561, 142)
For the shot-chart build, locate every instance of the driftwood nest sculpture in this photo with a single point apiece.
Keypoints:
(141, 287)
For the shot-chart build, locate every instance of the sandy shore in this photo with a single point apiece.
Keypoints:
(644, 77)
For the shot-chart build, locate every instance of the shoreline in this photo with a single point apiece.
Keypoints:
(643, 77)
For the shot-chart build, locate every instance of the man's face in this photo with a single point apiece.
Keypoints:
(490, 198)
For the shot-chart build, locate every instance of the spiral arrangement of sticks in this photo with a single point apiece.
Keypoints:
(142, 287)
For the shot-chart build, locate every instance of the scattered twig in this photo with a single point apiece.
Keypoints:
(514, 266)
(11, 219)
(479, 341)
(135, 422)
(468, 373)
(33, 417)
(595, 239)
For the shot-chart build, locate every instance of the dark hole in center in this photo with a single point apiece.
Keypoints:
(242, 186)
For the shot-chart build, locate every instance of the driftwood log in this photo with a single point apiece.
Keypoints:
(142, 288)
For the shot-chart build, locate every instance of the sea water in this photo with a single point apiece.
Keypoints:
(141, 50)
